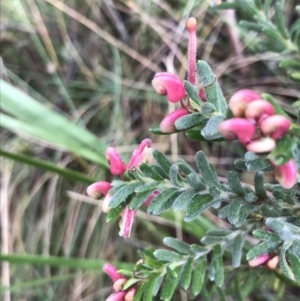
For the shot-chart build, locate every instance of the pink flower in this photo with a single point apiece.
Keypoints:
(168, 123)
(142, 154)
(112, 272)
(272, 263)
(275, 126)
(166, 83)
(240, 128)
(117, 166)
(286, 174)
(98, 189)
(118, 296)
(126, 222)
(153, 195)
(259, 109)
(259, 260)
(262, 145)
(130, 294)
(239, 101)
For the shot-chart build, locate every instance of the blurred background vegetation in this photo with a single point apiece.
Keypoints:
(92, 61)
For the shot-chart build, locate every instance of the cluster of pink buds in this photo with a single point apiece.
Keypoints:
(169, 84)
(119, 280)
(142, 154)
(258, 127)
(266, 259)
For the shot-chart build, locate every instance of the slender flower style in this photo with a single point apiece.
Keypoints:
(239, 101)
(286, 174)
(166, 83)
(275, 126)
(142, 154)
(240, 128)
(98, 189)
(259, 260)
(168, 123)
(117, 166)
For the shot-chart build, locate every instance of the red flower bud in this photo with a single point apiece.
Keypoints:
(118, 284)
(168, 123)
(240, 128)
(239, 101)
(261, 145)
(112, 272)
(275, 126)
(169, 84)
(259, 109)
(98, 189)
(286, 174)
(119, 296)
(126, 222)
(117, 166)
(191, 25)
(130, 294)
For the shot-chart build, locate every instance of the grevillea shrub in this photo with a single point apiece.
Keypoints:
(264, 220)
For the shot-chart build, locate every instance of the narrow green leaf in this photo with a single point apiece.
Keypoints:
(177, 245)
(155, 129)
(279, 19)
(166, 255)
(283, 263)
(160, 171)
(189, 121)
(262, 248)
(247, 6)
(162, 161)
(238, 211)
(115, 212)
(162, 198)
(267, 4)
(292, 63)
(184, 167)
(130, 282)
(174, 176)
(258, 4)
(210, 131)
(183, 200)
(192, 92)
(198, 205)
(139, 294)
(211, 240)
(217, 265)
(39, 121)
(218, 232)
(235, 184)
(208, 175)
(213, 91)
(158, 284)
(48, 166)
(294, 258)
(186, 276)
(55, 261)
(146, 187)
(121, 195)
(167, 205)
(283, 151)
(196, 135)
(259, 185)
(251, 26)
(226, 5)
(169, 287)
(140, 199)
(194, 181)
(198, 275)
(149, 172)
(237, 248)
(149, 287)
(266, 235)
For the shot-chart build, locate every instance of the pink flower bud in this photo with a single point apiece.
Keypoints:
(240, 128)
(286, 174)
(112, 272)
(202, 94)
(153, 195)
(130, 294)
(119, 296)
(142, 154)
(126, 222)
(259, 109)
(98, 189)
(169, 84)
(272, 263)
(191, 25)
(261, 145)
(105, 203)
(117, 166)
(275, 126)
(239, 101)
(118, 285)
(259, 260)
(168, 123)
